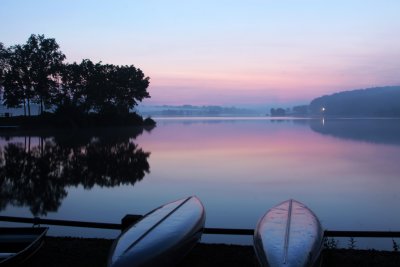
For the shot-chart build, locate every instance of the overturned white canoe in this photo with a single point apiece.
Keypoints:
(162, 237)
(288, 235)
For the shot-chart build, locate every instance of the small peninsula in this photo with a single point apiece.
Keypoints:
(84, 94)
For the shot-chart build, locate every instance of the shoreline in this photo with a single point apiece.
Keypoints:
(71, 251)
(75, 121)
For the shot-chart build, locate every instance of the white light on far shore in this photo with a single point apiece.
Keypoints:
(323, 109)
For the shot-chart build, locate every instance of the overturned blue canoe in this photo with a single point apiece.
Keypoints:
(288, 235)
(162, 237)
(17, 244)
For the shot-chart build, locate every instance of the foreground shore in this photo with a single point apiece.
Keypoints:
(61, 251)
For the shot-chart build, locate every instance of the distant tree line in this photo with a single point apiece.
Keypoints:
(370, 102)
(277, 112)
(190, 110)
(295, 111)
(36, 72)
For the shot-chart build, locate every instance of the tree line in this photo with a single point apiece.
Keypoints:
(370, 102)
(36, 72)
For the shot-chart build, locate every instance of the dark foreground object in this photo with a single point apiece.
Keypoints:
(18, 244)
(78, 252)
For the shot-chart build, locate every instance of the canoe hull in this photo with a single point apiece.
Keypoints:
(162, 237)
(288, 235)
(19, 243)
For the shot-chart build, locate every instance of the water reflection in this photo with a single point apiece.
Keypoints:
(35, 171)
(380, 131)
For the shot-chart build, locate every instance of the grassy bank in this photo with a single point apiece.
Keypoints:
(94, 252)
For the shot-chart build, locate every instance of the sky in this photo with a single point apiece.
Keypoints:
(224, 52)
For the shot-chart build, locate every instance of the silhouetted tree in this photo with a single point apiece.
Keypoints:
(17, 80)
(72, 96)
(118, 88)
(4, 55)
(46, 63)
(33, 73)
(104, 88)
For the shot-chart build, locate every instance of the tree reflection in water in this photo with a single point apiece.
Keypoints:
(378, 130)
(37, 176)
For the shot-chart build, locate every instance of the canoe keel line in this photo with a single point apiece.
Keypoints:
(162, 237)
(288, 235)
(155, 225)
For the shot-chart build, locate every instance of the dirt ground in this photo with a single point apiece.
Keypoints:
(90, 252)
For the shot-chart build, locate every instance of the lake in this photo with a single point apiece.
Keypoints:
(346, 170)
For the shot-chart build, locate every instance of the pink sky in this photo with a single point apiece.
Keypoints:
(225, 52)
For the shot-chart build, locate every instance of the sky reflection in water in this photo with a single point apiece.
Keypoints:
(346, 171)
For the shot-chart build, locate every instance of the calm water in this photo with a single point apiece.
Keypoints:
(346, 171)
